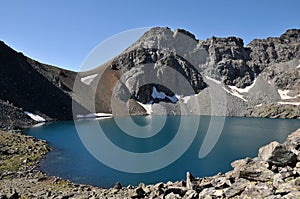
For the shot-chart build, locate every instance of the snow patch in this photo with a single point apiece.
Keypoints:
(214, 80)
(93, 115)
(298, 66)
(258, 105)
(243, 90)
(284, 94)
(147, 107)
(35, 117)
(173, 99)
(235, 93)
(161, 95)
(291, 103)
(88, 79)
(186, 99)
(38, 124)
(156, 94)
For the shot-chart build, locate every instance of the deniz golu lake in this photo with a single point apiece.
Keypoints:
(70, 159)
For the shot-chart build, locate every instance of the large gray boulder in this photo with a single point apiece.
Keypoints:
(277, 154)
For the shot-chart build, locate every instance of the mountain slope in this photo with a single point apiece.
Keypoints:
(242, 80)
(29, 86)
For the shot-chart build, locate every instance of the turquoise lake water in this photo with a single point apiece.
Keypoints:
(70, 159)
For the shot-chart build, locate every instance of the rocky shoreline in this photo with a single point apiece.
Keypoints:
(275, 173)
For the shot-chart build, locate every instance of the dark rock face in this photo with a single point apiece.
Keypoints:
(13, 118)
(275, 50)
(226, 59)
(25, 87)
(229, 61)
(143, 69)
(271, 64)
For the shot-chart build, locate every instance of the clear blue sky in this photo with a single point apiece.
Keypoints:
(63, 32)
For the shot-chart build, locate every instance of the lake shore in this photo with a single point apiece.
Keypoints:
(275, 173)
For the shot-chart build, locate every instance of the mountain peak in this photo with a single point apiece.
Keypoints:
(185, 32)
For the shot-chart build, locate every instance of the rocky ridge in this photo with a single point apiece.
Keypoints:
(172, 70)
(275, 173)
(29, 86)
(262, 74)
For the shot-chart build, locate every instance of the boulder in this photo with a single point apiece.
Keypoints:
(257, 190)
(237, 188)
(256, 171)
(277, 154)
(175, 190)
(118, 186)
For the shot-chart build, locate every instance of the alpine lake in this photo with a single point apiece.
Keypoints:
(81, 155)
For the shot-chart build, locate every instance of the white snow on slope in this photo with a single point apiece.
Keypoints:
(258, 105)
(298, 66)
(35, 117)
(233, 89)
(156, 94)
(94, 115)
(291, 103)
(214, 80)
(147, 107)
(243, 90)
(284, 94)
(186, 99)
(235, 93)
(173, 99)
(161, 95)
(88, 79)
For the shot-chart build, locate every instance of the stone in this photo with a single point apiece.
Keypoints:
(189, 180)
(256, 171)
(287, 187)
(176, 190)
(236, 188)
(292, 195)
(278, 180)
(191, 194)
(3, 196)
(277, 154)
(294, 139)
(172, 196)
(241, 162)
(220, 182)
(15, 195)
(206, 192)
(138, 193)
(257, 190)
(286, 172)
(212, 192)
(118, 186)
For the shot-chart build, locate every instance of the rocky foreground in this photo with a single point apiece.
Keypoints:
(275, 173)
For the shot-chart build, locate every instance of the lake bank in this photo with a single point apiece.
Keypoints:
(274, 174)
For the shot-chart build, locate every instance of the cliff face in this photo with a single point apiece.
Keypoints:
(248, 80)
(164, 72)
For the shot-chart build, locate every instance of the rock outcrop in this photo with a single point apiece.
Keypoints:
(265, 73)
